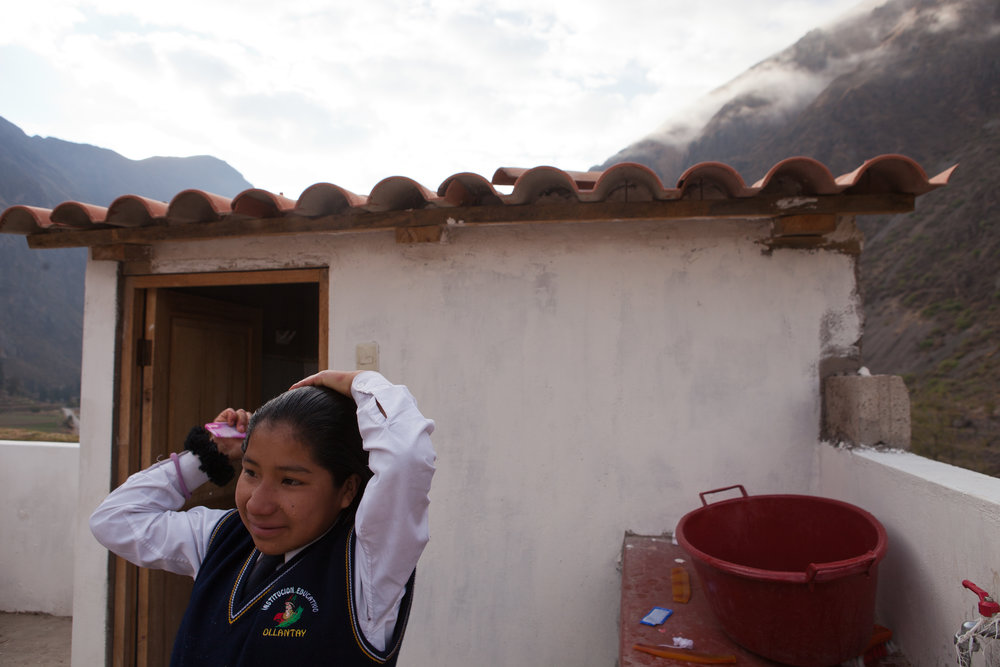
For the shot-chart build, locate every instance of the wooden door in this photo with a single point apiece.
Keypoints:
(205, 356)
(182, 359)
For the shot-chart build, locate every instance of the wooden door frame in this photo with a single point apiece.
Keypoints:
(128, 422)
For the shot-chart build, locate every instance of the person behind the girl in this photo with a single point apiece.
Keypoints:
(332, 490)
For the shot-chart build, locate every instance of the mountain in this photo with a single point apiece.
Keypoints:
(41, 291)
(917, 77)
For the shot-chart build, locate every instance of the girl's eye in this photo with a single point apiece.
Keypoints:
(249, 473)
(291, 482)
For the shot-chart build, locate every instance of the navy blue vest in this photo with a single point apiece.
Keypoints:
(304, 613)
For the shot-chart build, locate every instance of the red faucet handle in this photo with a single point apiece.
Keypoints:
(987, 605)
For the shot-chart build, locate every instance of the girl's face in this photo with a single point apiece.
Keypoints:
(285, 499)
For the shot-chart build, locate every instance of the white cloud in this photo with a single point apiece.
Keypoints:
(296, 93)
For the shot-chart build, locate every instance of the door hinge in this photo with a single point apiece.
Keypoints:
(144, 353)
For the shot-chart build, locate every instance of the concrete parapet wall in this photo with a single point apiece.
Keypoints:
(38, 489)
(943, 525)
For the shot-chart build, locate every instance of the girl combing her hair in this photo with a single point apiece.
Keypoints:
(317, 563)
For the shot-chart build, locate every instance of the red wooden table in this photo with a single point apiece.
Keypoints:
(646, 566)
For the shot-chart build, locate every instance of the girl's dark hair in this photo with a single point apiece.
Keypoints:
(326, 423)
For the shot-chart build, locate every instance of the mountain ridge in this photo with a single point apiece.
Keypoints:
(920, 78)
(41, 291)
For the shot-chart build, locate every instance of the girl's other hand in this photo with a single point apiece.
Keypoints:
(339, 381)
(232, 448)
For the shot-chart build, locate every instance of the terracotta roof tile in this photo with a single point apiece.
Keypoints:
(78, 216)
(626, 182)
(468, 189)
(197, 206)
(891, 173)
(135, 211)
(713, 180)
(398, 193)
(798, 176)
(327, 199)
(542, 184)
(796, 185)
(584, 180)
(261, 204)
(25, 219)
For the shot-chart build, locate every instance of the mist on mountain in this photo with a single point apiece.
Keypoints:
(916, 77)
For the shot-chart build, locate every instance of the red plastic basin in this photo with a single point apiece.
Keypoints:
(791, 578)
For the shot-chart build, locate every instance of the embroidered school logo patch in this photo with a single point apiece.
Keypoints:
(291, 604)
(292, 613)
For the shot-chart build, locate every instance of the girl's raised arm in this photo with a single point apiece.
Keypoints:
(392, 521)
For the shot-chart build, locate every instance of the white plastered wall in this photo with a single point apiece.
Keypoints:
(585, 380)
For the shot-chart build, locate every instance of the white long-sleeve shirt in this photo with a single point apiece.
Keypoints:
(139, 520)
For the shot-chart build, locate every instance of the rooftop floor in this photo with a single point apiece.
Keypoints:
(35, 640)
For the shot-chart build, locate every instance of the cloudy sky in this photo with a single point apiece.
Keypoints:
(294, 93)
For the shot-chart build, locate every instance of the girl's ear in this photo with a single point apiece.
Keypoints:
(348, 490)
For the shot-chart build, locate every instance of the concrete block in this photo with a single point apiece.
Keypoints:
(867, 410)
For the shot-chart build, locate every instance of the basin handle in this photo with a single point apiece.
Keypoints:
(840, 568)
(704, 502)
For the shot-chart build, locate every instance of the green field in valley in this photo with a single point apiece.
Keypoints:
(34, 421)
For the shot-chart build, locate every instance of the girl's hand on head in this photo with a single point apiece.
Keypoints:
(232, 448)
(339, 381)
